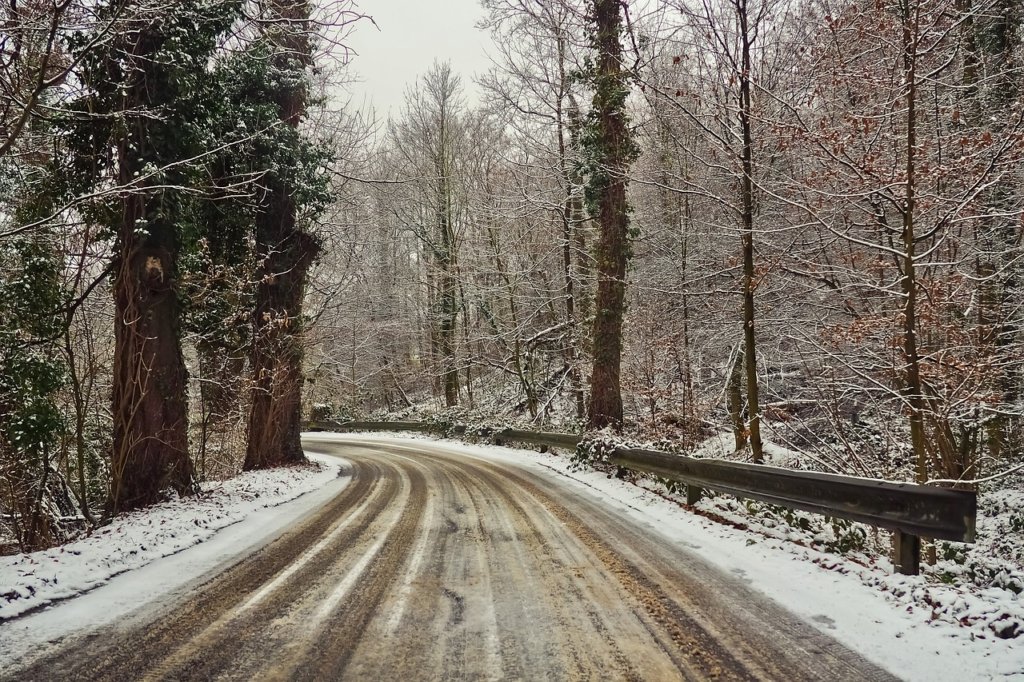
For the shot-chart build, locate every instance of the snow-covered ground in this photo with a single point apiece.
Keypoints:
(29, 581)
(865, 607)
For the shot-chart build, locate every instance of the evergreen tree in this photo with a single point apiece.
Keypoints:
(286, 248)
(141, 127)
(31, 300)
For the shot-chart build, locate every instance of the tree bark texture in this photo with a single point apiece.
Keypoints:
(448, 309)
(150, 415)
(734, 401)
(605, 408)
(749, 281)
(287, 252)
(275, 415)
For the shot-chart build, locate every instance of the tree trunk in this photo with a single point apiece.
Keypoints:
(912, 362)
(287, 252)
(734, 401)
(449, 303)
(150, 447)
(275, 416)
(571, 223)
(749, 336)
(150, 380)
(614, 152)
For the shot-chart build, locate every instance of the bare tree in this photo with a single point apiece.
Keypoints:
(430, 139)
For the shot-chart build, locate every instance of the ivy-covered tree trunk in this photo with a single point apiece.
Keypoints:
(150, 380)
(286, 253)
(275, 416)
(146, 106)
(150, 451)
(613, 152)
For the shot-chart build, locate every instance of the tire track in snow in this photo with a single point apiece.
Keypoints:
(437, 564)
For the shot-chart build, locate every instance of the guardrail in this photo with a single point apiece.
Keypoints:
(911, 511)
(500, 437)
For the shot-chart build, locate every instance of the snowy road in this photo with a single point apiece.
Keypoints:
(434, 564)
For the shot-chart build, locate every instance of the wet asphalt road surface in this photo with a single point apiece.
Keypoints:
(435, 565)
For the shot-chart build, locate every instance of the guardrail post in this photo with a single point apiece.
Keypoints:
(906, 551)
(693, 493)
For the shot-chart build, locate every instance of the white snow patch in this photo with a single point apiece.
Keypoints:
(29, 581)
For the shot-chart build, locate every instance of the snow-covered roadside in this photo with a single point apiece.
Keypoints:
(865, 608)
(28, 581)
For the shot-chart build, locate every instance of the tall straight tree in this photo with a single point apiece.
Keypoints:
(431, 141)
(441, 88)
(747, 35)
(612, 151)
(150, 91)
(286, 251)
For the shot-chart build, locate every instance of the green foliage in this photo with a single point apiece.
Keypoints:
(839, 536)
(593, 451)
(610, 92)
(340, 411)
(157, 150)
(444, 422)
(257, 144)
(32, 300)
(850, 536)
(470, 425)
(255, 154)
(1016, 522)
(960, 566)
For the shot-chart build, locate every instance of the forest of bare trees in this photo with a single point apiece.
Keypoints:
(783, 223)
(821, 235)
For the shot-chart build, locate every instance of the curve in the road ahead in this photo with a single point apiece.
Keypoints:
(436, 565)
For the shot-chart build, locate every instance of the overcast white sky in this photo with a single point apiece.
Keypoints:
(413, 33)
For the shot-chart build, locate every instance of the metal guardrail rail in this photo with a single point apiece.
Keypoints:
(421, 427)
(912, 511)
(552, 440)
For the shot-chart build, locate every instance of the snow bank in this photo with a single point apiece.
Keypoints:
(28, 581)
(977, 587)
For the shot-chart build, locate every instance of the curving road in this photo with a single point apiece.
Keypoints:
(437, 565)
